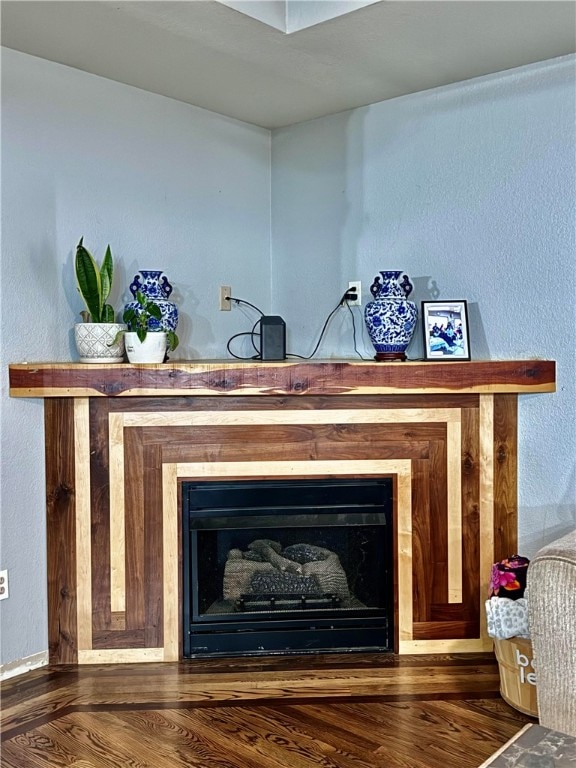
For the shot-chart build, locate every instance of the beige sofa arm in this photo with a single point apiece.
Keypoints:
(552, 616)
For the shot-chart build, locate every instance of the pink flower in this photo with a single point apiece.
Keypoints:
(500, 578)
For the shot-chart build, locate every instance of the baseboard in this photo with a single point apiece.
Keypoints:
(20, 666)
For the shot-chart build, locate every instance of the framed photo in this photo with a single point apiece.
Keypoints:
(445, 326)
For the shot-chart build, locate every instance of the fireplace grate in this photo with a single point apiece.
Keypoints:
(287, 602)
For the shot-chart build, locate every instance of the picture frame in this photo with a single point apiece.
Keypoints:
(445, 329)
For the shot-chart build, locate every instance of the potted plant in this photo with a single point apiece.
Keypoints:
(146, 340)
(97, 338)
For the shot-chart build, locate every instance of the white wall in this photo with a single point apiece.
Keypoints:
(170, 187)
(470, 189)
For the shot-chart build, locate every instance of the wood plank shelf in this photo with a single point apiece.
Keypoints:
(330, 377)
(121, 439)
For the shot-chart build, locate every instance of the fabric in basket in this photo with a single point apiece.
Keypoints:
(507, 618)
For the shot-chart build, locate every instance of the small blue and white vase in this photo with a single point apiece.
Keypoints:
(155, 286)
(390, 318)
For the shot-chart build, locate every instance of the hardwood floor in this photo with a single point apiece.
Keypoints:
(332, 711)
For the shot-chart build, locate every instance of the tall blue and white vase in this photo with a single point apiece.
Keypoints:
(155, 286)
(390, 318)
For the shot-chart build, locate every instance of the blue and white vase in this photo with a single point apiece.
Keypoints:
(155, 286)
(390, 318)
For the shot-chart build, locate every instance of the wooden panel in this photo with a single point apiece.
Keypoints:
(314, 448)
(487, 545)
(450, 456)
(153, 572)
(84, 498)
(272, 469)
(409, 439)
(118, 638)
(451, 645)
(435, 567)
(117, 517)
(435, 597)
(121, 655)
(505, 476)
(61, 530)
(172, 544)
(404, 565)
(136, 486)
(470, 513)
(422, 522)
(97, 463)
(285, 377)
(118, 620)
(454, 612)
(445, 630)
(454, 512)
(202, 403)
(286, 416)
(293, 442)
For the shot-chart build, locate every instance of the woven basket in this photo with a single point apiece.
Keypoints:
(517, 677)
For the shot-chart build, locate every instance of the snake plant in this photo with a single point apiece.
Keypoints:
(94, 284)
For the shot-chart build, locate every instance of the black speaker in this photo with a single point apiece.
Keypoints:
(272, 338)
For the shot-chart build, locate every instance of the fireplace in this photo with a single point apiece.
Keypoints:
(122, 440)
(287, 566)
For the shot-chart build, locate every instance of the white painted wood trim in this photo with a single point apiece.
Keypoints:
(21, 666)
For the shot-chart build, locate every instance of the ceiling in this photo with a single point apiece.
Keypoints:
(214, 56)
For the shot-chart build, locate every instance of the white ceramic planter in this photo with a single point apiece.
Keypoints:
(95, 342)
(151, 350)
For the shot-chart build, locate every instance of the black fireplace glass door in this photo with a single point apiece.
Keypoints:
(286, 566)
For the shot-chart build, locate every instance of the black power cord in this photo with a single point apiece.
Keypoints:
(242, 301)
(354, 331)
(347, 296)
(251, 333)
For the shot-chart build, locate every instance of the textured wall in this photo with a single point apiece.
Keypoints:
(169, 186)
(470, 189)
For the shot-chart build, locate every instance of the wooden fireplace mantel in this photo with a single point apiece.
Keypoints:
(331, 377)
(120, 439)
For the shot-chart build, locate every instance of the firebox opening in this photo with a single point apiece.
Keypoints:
(288, 566)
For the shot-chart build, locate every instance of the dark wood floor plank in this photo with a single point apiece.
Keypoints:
(179, 742)
(264, 735)
(413, 729)
(207, 746)
(483, 724)
(37, 750)
(435, 729)
(172, 748)
(83, 734)
(342, 729)
(326, 735)
(217, 726)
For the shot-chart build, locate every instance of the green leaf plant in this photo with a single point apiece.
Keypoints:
(138, 319)
(94, 284)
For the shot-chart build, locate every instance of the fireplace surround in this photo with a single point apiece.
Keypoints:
(121, 440)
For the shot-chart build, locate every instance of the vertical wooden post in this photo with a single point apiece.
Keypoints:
(61, 530)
